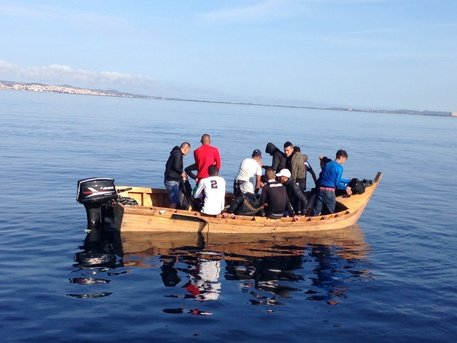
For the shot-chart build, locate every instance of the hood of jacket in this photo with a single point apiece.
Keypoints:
(271, 149)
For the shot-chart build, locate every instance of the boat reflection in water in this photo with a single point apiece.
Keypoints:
(268, 267)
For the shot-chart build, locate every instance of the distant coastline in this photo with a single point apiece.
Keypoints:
(67, 89)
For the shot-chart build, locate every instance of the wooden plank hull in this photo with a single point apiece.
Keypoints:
(153, 215)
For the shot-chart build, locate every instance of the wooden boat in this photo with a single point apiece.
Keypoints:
(153, 215)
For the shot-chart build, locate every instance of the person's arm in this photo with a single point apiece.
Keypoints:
(258, 181)
(299, 195)
(176, 163)
(263, 196)
(217, 158)
(189, 170)
(289, 207)
(311, 171)
(275, 162)
(294, 167)
(198, 192)
(340, 184)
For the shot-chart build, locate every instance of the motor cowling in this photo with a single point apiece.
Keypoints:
(95, 194)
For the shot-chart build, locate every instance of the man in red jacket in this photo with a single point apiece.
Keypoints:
(206, 156)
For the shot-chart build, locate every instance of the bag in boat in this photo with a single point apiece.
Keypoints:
(357, 186)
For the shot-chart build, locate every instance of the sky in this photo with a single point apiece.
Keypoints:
(385, 54)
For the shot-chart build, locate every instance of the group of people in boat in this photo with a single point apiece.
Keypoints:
(280, 191)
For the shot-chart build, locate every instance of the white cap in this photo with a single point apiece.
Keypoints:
(284, 172)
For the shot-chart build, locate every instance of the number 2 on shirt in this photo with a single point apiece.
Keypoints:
(214, 184)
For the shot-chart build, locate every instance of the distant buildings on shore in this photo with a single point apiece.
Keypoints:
(65, 89)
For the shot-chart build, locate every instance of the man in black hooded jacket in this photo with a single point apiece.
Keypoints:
(174, 175)
(278, 158)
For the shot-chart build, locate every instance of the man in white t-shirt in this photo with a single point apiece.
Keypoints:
(250, 171)
(212, 190)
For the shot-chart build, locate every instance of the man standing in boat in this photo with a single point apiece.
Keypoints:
(174, 174)
(205, 156)
(250, 171)
(329, 181)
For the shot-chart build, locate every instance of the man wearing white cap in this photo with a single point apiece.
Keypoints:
(296, 197)
(274, 197)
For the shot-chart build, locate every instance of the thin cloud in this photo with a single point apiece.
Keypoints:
(272, 9)
(54, 13)
(262, 10)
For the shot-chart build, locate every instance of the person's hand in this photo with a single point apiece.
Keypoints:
(349, 190)
(295, 218)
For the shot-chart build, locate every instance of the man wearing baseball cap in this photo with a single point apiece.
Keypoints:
(296, 196)
(250, 171)
(274, 198)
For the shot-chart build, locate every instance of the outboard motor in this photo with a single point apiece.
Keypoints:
(95, 194)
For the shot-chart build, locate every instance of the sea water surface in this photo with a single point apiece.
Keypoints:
(391, 278)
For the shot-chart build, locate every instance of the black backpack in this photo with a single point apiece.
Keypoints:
(357, 186)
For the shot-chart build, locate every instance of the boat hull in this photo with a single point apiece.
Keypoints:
(152, 215)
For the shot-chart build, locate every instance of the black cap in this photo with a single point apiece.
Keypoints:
(256, 153)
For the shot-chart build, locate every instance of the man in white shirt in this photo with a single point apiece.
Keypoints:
(250, 171)
(212, 191)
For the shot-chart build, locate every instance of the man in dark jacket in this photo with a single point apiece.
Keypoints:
(295, 162)
(278, 161)
(174, 175)
(296, 196)
(274, 198)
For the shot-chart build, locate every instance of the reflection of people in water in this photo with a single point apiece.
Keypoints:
(319, 271)
(332, 273)
(267, 272)
(204, 285)
(203, 273)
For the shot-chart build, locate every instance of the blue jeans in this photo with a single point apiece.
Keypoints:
(174, 193)
(324, 198)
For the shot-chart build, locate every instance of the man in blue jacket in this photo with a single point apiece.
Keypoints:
(329, 181)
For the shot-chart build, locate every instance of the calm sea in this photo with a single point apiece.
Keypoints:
(392, 278)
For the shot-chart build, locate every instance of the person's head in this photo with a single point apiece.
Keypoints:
(284, 175)
(185, 147)
(288, 148)
(341, 156)
(270, 148)
(257, 155)
(206, 139)
(297, 149)
(270, 174)
(323, 160)
(213, 171)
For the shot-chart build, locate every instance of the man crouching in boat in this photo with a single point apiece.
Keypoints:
(274, 198)
(329, 181)
(212, 190)
(174, 174)
(245, 203)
